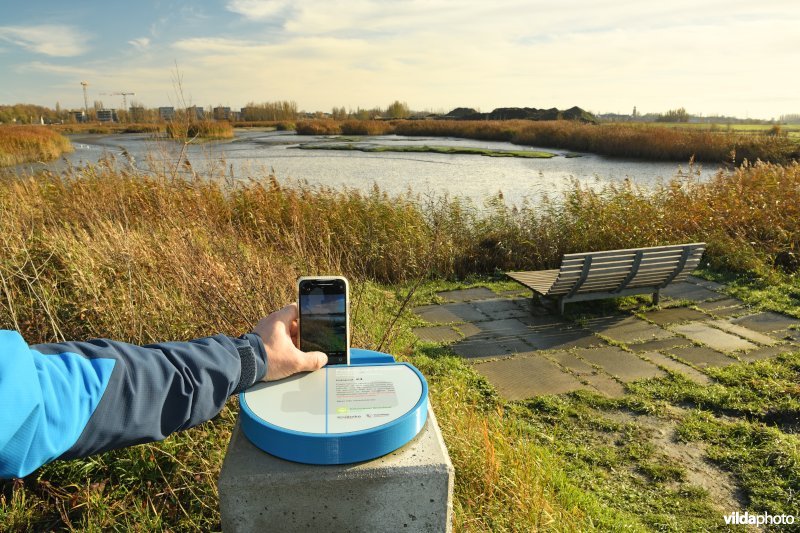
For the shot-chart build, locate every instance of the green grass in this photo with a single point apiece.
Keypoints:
(429, 149)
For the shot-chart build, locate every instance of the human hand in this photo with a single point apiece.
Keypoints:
(278, 332)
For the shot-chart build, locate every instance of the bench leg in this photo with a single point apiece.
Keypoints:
(656, 297)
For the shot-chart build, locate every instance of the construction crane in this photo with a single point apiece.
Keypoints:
(124, 96)
(85, 84)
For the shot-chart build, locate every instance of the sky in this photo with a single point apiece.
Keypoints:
(728, 57)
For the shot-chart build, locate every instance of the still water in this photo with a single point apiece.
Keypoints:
(256, 154)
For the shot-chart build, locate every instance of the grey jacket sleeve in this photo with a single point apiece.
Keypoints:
(158, 389)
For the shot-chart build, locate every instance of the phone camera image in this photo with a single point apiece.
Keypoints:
(323, 318)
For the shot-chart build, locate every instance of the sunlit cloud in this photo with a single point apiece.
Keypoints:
(258, 9)
(48, 39)
(142, 43)
(38, 66)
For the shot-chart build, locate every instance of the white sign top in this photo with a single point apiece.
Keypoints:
(337, 399)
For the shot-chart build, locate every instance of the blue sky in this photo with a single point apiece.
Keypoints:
(710, 56)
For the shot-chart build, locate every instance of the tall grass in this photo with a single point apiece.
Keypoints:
(619, 140)
(107, 253)
(203, 129)
(114, 253)
(21, 144)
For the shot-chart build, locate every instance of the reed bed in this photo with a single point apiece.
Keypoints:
(203, 129)
(618, 140)
(23, 144)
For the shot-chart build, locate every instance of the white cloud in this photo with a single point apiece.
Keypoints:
(48, 39)
(258, 9)
(51, 68)
(142, 43)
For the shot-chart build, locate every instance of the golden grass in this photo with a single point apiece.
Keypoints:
(23, 144)
(202, 129)
(109, 128)
(619, 140)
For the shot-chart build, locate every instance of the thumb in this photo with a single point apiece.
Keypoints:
(310, 361)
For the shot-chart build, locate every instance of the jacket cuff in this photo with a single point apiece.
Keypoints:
(253, 358)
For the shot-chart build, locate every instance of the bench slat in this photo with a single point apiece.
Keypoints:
(653, 249)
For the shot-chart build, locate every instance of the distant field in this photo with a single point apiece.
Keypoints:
(791, 130)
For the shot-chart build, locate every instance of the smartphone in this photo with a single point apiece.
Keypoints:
(324, 324)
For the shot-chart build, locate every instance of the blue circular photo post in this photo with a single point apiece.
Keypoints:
(338, 414)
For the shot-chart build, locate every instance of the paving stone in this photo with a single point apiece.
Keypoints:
(436, 314)
(766, 352)
(464, 312)
(673, 315)
(466, 295)
(577, 366)
(716, 305)
(518, 377)
(732, 312)
(507, 326)
(502, 308)
(742, 331)
(671, 364)
(690, 291)
(660, 344)
(713, 338)
(553, 337)
(627, 329)
(621, 364)
(713, 285)
(468, 329)
(516, 345)
(437, 334)
(479, 348)
(766, 322)
(606, 385)
(701, 356)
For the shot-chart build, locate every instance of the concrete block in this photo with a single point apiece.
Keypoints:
(410, 489)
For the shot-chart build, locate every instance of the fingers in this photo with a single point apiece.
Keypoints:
(287, 316)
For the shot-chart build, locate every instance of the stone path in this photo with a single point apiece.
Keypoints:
(525, 351)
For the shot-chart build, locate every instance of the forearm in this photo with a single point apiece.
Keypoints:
(99, 395)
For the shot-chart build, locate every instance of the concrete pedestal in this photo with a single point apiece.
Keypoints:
(410, 489)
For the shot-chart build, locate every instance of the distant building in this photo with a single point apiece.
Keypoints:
(196, 113)
(222, 113)
(166, 113)
(78, 116)
(107, 115)
(136, 114)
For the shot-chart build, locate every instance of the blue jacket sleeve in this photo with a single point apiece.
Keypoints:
(73, 399)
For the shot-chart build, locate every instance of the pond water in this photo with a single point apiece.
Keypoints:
(256, 154)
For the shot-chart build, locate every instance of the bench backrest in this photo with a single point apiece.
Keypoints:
(615, 270)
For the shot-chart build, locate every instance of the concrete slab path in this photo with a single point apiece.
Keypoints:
(524, 351)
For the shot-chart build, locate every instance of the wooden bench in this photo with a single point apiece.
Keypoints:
(613, 273)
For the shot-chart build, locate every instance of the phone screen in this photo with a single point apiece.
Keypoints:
(323, 318)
